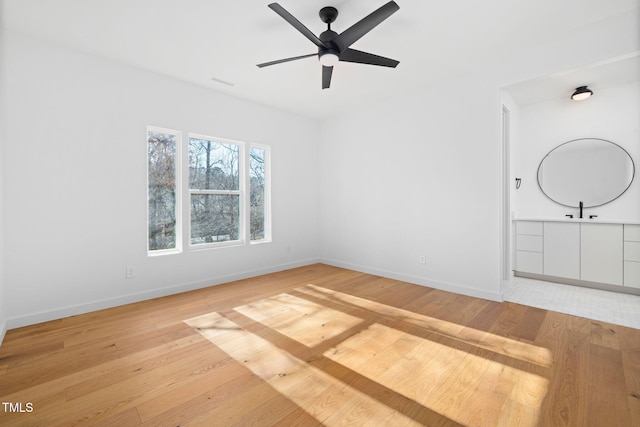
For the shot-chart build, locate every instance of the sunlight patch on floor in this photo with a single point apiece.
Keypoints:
(466, 375)
(318, 393)
(305, 321)
(512, 348)
(449, 381)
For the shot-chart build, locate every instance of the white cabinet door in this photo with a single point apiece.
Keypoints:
(562, 249)
(601, 250)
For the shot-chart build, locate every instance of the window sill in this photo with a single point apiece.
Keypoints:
(207, 246)
(260, 242)
(163, 252)
(218, 245)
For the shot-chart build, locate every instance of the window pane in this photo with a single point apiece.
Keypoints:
(213, 165)
(214, 218)
(162, 190)
(256, 197)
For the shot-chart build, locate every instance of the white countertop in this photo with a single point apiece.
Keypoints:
(594, 220)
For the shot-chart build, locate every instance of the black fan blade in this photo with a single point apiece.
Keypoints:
(362, 27)
(326, 76)
(296, 24)
(280, 61)
(352, 55)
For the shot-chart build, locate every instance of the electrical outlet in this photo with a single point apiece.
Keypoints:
(422, 259)
(129, 272)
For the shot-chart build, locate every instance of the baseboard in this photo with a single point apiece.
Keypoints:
(45, 316)
(577, 282)
(449, 287)
(3, 330)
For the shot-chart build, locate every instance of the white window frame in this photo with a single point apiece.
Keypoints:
(267, 194)
(241, 192)
(178, 191)
(183, 193)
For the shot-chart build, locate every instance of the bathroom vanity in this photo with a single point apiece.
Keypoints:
(584, 252)
(582, 173)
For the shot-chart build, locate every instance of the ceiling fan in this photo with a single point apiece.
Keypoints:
(334, 47)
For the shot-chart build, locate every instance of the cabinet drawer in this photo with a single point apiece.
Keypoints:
(632, 251)
(529, 262)
(632, 274)
(529, 227)
(632, 233)
(529, 243)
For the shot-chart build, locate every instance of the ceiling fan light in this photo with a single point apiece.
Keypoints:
(329, 59)
(581, 93)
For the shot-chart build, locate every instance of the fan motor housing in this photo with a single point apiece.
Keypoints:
(327, 38)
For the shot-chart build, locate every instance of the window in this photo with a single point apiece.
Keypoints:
(258, 197)
(228, 192)
(215, 191)
(163, 190)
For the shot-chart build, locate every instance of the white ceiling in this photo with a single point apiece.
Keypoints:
(598, 76)
(202, 40)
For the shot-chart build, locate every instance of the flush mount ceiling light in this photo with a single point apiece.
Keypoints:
(581, 93)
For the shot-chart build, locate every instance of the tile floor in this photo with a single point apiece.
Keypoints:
(612, 307)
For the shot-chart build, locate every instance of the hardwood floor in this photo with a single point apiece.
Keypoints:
(320, 345)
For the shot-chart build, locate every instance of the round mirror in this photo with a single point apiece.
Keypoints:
(589, 170)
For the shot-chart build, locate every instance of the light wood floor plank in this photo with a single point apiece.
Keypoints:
(321, 346)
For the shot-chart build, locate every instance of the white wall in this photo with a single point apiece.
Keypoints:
(610, 114)
(418, 176)
(3, 301)
(75, 196)
(508, 160)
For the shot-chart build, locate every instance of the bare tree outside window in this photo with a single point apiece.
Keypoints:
(228, 192)
(161, 190)
(257, 193)
(214, 183)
